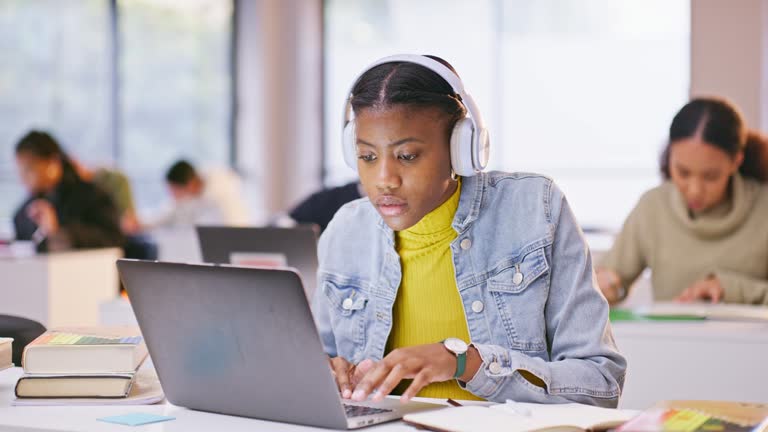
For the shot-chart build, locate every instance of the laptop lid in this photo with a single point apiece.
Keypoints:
(265, 247)
(234, 340)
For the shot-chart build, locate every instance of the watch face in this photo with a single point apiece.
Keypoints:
(457, 346)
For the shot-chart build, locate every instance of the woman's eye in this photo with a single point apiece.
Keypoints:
(367, 157)
(407, 157)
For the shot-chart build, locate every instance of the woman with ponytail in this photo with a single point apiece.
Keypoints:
(704, 231)
(63, 211)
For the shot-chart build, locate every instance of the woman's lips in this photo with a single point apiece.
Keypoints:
(390, 205)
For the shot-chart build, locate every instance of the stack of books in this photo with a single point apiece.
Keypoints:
(81, 363)
(6, 353)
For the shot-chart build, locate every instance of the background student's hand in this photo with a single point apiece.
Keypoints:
(44, 215)
(424, 364)
(129, 223)
(348, 375)
(708, 288)
(609, 283)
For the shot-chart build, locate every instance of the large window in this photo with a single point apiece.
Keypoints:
(132, 83)
(54, 74)
(175, 87)
(580, 90)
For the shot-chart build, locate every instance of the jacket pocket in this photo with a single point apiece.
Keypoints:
(348, 301)
(520, 291)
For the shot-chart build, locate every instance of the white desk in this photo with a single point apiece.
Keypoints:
(717, 360)
(667, 360)
(693, 360)
(59, 289)
(84, 418)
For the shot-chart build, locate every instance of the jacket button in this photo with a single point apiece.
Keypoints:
(517, 279)
(466, 244)
(494, 367)
(477, 306)
(347, 304)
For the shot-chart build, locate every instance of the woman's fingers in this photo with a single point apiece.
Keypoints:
(421, 380)
(341, 370)
(371, 381)
(390, 382)
(361, 369)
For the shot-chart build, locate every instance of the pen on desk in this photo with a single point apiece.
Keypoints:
(452, 402)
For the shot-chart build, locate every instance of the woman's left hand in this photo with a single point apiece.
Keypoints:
(709, 288)
(44, 215)
(424, 364)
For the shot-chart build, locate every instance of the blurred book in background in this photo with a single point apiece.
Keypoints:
(6, 351)
(703, 416)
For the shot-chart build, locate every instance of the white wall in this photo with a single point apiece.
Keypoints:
(729, 54)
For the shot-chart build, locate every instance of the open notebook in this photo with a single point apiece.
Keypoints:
(519, 417)
(717, 311)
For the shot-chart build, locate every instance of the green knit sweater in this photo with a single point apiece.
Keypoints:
(729, 241)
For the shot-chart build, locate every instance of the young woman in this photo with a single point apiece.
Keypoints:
(704, 231)
(473, 285)
(63, 211)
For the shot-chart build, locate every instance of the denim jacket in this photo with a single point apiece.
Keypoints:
(524, 274)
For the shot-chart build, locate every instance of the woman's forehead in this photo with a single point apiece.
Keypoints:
(32, 159)
(422, 120)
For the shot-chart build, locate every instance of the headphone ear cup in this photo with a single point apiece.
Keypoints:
(348, 145)
(461, 148)
(482, 150)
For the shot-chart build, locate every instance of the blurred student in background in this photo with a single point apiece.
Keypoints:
(320, 207)
(213, 198)
(704, 231)
(63, 211)
(116, 185)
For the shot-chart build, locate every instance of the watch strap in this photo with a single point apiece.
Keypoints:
(461, 364)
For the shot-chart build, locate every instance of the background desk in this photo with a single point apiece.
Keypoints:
(59, 289)
(693, 360)
(84, 418)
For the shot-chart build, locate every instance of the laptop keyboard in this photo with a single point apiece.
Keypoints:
(360, 411)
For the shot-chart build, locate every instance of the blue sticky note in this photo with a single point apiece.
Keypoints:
(136, 419)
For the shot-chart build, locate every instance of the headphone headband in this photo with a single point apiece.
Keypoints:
(469, 138)
(435, 66)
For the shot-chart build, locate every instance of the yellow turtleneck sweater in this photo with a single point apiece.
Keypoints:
(428, 307)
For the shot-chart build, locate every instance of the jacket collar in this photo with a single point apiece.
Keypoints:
(472, 192)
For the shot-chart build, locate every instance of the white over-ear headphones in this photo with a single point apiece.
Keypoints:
(469, 139)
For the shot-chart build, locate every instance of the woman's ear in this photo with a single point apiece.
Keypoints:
(737, 161)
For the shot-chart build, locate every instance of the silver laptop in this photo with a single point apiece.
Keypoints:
(265, 246)
(242, 341)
